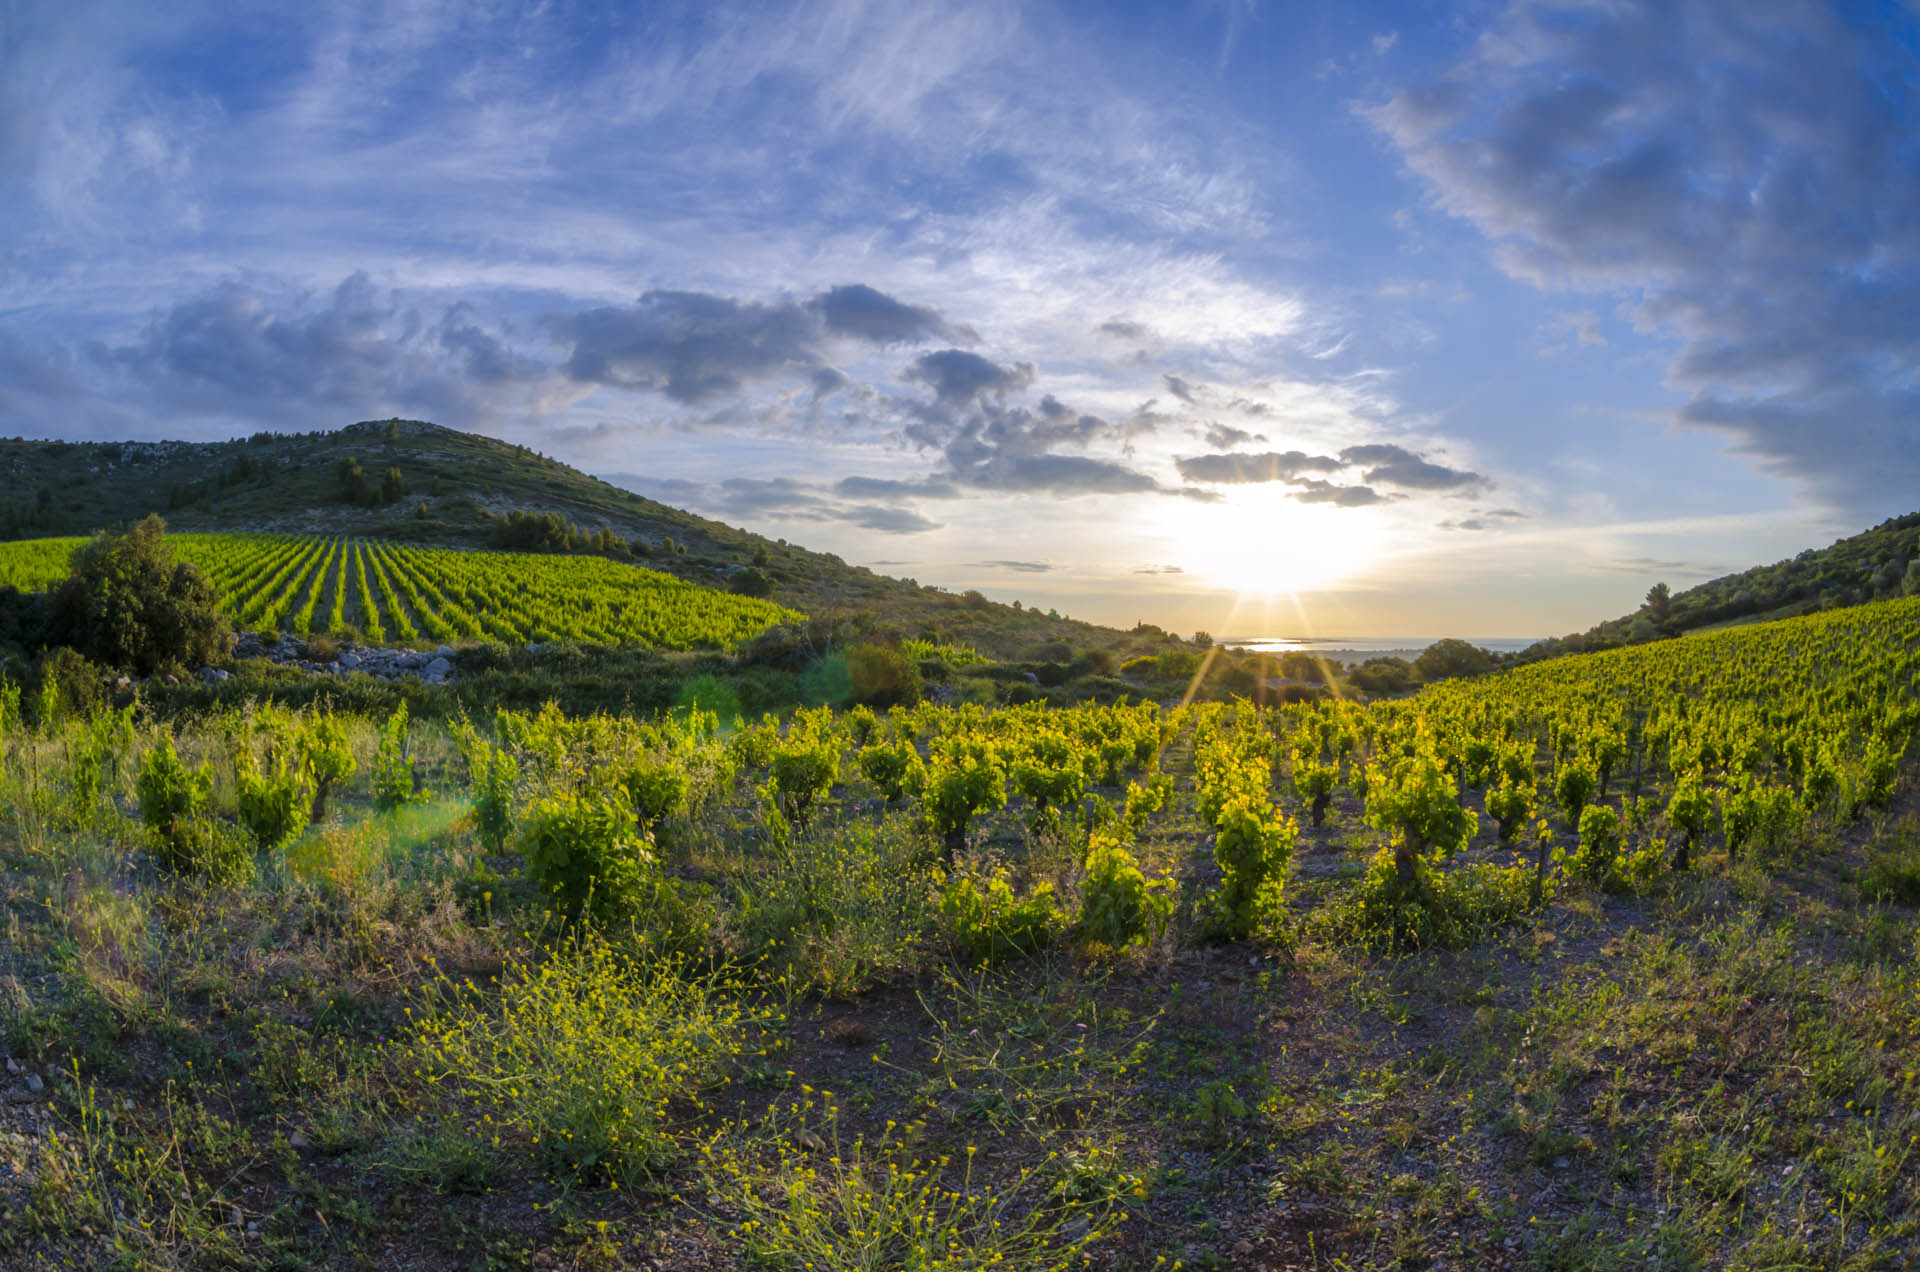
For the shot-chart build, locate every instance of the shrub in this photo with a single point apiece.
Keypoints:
(273, 804)
(1597, 857)
(893, 767)
(966, 777)
(657, 792)
(495, 773)
(393, 784)
(1253, 848)
(1119, 905)
(1437, 909)
(994, 924)
(1690, 812)
(173, 807)
(1573, 788)
(882, 676)
(325, 756)
(1511, 806)
(805, 766)
(1314, 782)
(128, 604)
(582, 1058)
(585, 854)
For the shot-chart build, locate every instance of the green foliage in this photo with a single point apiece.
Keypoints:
(174, 809)
(1598, 854)
(965, 776)
(580, 1058)
(1573, 788)
(994, 924)
(1446, 909)
(274, 802)
(893, 767)
(1313, 782)
(1119, 905)
(658, 790)
(1415, 802)
(1690, 811)
(586, 856)
(1511, 805)
(1253, 848)
(805, 766)
(325, 756)
(393, 782)
(129, 604)
(495, 775)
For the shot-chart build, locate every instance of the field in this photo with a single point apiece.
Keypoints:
(400, 594)
(1608, 962)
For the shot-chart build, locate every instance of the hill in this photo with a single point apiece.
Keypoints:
(1871, 565)
(416, 482)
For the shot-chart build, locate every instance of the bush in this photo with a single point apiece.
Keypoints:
(1119, 905)
(585, 854)
(893, 767)
(993, 924)
(273, 804)
(1447, 910)
(495, 773)
(393, 785)
(657, 792)
(882, 676)
(128, 604)
(582, 1057)
(1253, 848)
(173, 807)
(1598, 855)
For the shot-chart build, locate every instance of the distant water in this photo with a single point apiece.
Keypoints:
(1360, 648)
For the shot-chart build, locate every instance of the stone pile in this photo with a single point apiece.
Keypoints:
(332, 659)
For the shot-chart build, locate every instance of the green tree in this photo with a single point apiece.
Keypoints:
(1660, 602)
(129, 604)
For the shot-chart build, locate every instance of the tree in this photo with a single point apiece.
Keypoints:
(1660, 602)
(1452, 657)
(129, 604)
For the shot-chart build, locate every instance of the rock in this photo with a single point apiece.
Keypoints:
(437, 670)
(445, 651)
(411, 662)
(299, 1141)
(350, 659)
(34, 1084)
(14, 1067)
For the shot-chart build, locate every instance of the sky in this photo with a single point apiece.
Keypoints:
(1338, 319)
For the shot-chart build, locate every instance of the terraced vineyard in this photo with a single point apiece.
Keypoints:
(397, 593)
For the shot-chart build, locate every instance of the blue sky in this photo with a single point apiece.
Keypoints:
(1351, 319)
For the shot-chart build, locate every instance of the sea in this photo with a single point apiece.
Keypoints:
(1354, 649)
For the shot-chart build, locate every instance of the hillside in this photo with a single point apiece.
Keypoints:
(1876, 563)
(459, 489)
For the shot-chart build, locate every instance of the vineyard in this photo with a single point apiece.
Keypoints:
(1605, 962)
(390, 592)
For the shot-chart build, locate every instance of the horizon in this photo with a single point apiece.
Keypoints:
(1357, 319)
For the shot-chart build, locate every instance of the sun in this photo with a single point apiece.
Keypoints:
(1262, 545)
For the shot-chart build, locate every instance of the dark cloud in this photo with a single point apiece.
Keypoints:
(887, 520)
(1267, 466)
(1158, 569)
(1023, 567)
(861, 312)
(1180, 388)
(890, 488)
(1324, 492)
(1121, 330)
(958, 377)
(747, 496)
(241, 349)
(1397, 466)
(696, 347)
(1054, 474)
(1225, 436)
(1749, 174)
(1469, 523)
(1508, 513)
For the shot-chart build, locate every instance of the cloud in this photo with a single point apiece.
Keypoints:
(958, 377)
(1268, 466)
(1396, 466)
(697, 347)
(888, 520)
(1180, 388)
(1123, 330)
(891, 488)
(1023, 567)
(859, 311)
(1322, 492)
(1656, 565)
(1224, 436)
(1744, 174)
(1158, 569)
